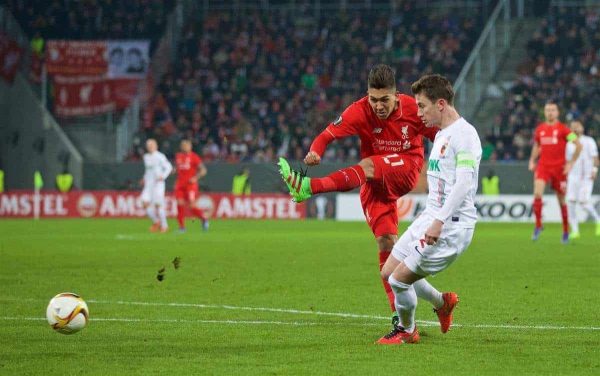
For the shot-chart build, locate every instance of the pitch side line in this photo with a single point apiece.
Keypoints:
(351, 315)
(241, 308)
(233, 322)
(320, 313)
(309, 323)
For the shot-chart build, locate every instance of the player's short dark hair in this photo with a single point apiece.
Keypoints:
(382, 76)
(434, 87)
(552, 101)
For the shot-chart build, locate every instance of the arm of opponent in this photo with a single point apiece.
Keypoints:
(465, 174)
(572, 137)
(166, 167)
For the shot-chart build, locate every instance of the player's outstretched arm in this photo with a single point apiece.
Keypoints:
(312, 158)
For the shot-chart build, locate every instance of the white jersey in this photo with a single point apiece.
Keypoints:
(456, 147)
(157, 167)
(583, 166)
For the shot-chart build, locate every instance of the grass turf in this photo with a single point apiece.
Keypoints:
(518, 290)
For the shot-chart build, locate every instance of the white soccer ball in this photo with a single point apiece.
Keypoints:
(67, 313)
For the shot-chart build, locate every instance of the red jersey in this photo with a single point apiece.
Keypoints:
(400, 133)
(187, 166)
(552, 140)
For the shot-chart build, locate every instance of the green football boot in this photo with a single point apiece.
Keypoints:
(297, 182)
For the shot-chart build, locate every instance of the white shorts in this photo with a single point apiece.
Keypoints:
(154, 193)
(425, 259)
(579, 190)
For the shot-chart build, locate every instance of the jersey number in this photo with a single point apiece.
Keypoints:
(389, 158)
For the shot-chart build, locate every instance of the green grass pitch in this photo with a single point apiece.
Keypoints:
(285, 297)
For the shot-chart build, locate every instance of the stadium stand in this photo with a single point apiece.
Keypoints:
(563, 65)
(69, 19)
(255, 87)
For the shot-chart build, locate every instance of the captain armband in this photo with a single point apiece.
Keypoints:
(465, 159)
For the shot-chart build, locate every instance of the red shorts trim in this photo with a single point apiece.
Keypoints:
(554, 177)
(395, 176)
(187, 192)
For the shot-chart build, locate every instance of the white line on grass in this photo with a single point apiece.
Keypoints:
(232, 322)
(320, 313)
(340, 314)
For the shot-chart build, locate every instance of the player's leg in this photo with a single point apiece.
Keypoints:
(346, 179)
(180, 197)
(382, 217)
(159, 204)
(572, 194)
(192, 195)
(585, 198)
(399, 252)
(559, 184)
(146, 198)
(401, 281)
(539, 184)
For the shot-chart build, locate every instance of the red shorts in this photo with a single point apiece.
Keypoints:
(554, 176)
(187, 192)
(395, 176)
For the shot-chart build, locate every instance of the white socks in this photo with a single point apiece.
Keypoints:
(426, 291)
(588, 207)
(591, 211)
(572, 207)
(162, 215)
(151, 214)
(406, 303)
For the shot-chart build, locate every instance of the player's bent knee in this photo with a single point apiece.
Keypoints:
(385, 243)
(368, 167)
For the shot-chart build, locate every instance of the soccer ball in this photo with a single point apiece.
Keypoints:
(67, 313)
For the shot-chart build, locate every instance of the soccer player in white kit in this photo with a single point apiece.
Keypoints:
(157, 169)
(580, 180)
(445, 228)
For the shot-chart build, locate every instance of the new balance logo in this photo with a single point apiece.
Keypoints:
(433, 165)
(377, 130)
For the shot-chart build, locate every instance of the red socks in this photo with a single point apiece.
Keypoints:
(388, 290)
(181, 216)
(199, 213)
(537, 211)
(565, 218)
(342, 180)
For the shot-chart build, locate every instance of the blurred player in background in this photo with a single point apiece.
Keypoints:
(157, 169)
(189, 169)
(445, 228)
(550, 142)
(581, 179)
(391, 136)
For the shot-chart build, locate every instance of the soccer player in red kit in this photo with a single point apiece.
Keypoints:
(189, 169)
(550, 142)
(391, 136)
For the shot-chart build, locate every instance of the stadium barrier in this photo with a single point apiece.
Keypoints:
(502, 208)
(127, 204)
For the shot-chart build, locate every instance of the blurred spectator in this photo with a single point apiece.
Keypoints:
(564, 56)
(264, 85)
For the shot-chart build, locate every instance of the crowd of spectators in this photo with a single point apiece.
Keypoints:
(92, 19)
(563, 65)
(262, 84)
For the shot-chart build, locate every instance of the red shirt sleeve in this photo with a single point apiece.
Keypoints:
(566, 131)
(345, 125)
